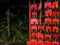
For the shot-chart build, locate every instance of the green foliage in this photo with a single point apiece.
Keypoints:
(18, 29)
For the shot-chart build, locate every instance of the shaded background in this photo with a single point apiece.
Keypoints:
(18, 21)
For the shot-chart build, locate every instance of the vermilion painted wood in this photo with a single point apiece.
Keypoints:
(48, 12)
(39, 21)
(55, 28)
(33, 42)
(32, 28)
(47, 42)
(33, 6)
(55, 20)
(48, 37)
(40, 42)
(39, 6)
(48, 28)
(33, 35)
(40, 15)
(55, 43)
(40, 36)
(47, 5)
(55, 4)
(56, 36)
(34, 14)
(29, 21)
(34, 21)
(41, 27)
(55, 13)
(47, 20)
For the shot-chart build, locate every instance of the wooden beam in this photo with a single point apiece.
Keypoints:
(47, 0)
(56, 0)
(40, 0)
(34, 1)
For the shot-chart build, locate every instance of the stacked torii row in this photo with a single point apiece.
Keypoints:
(43, 31)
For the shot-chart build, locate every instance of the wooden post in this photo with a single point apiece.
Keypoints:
(8, 23)
(34, 1)
(40, 0)
(29, 21)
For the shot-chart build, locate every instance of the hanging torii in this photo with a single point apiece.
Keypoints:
(55, 13)
(48, 29)
(48, 12)
(55, 4)
(47, 4)
(55, 29)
